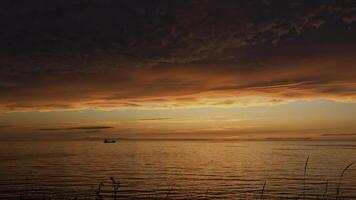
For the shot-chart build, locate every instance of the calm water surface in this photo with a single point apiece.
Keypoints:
(177, 169)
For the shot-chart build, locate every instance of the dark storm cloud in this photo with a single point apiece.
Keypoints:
(102, 54)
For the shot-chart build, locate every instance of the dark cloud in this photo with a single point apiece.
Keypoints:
(103, 54)
(339, 134)
(89, 128)
(288, 138)
(155, 119)
(6, 126)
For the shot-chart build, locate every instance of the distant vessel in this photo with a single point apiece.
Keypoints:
(109, 141)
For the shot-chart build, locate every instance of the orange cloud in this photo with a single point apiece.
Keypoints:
(242, 55)
(319, 75)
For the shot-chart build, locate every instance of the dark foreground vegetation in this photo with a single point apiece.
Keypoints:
(110, 190)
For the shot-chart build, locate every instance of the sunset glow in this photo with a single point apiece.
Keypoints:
(177, 99)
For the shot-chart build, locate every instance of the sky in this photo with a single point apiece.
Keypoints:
(259, 69)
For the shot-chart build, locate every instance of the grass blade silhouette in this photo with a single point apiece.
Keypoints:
(168, 193)
(325, 195)
(115, 186)
(99, 196)
(305, 173)
(340, 179)
(263, 190)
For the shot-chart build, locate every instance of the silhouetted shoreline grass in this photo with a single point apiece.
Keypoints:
(261, 194)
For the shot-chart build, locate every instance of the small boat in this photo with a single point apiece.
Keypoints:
(109, 141)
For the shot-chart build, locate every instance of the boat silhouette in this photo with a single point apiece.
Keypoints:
(109, 141)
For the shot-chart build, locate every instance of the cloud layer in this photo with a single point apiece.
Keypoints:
(108, 54)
